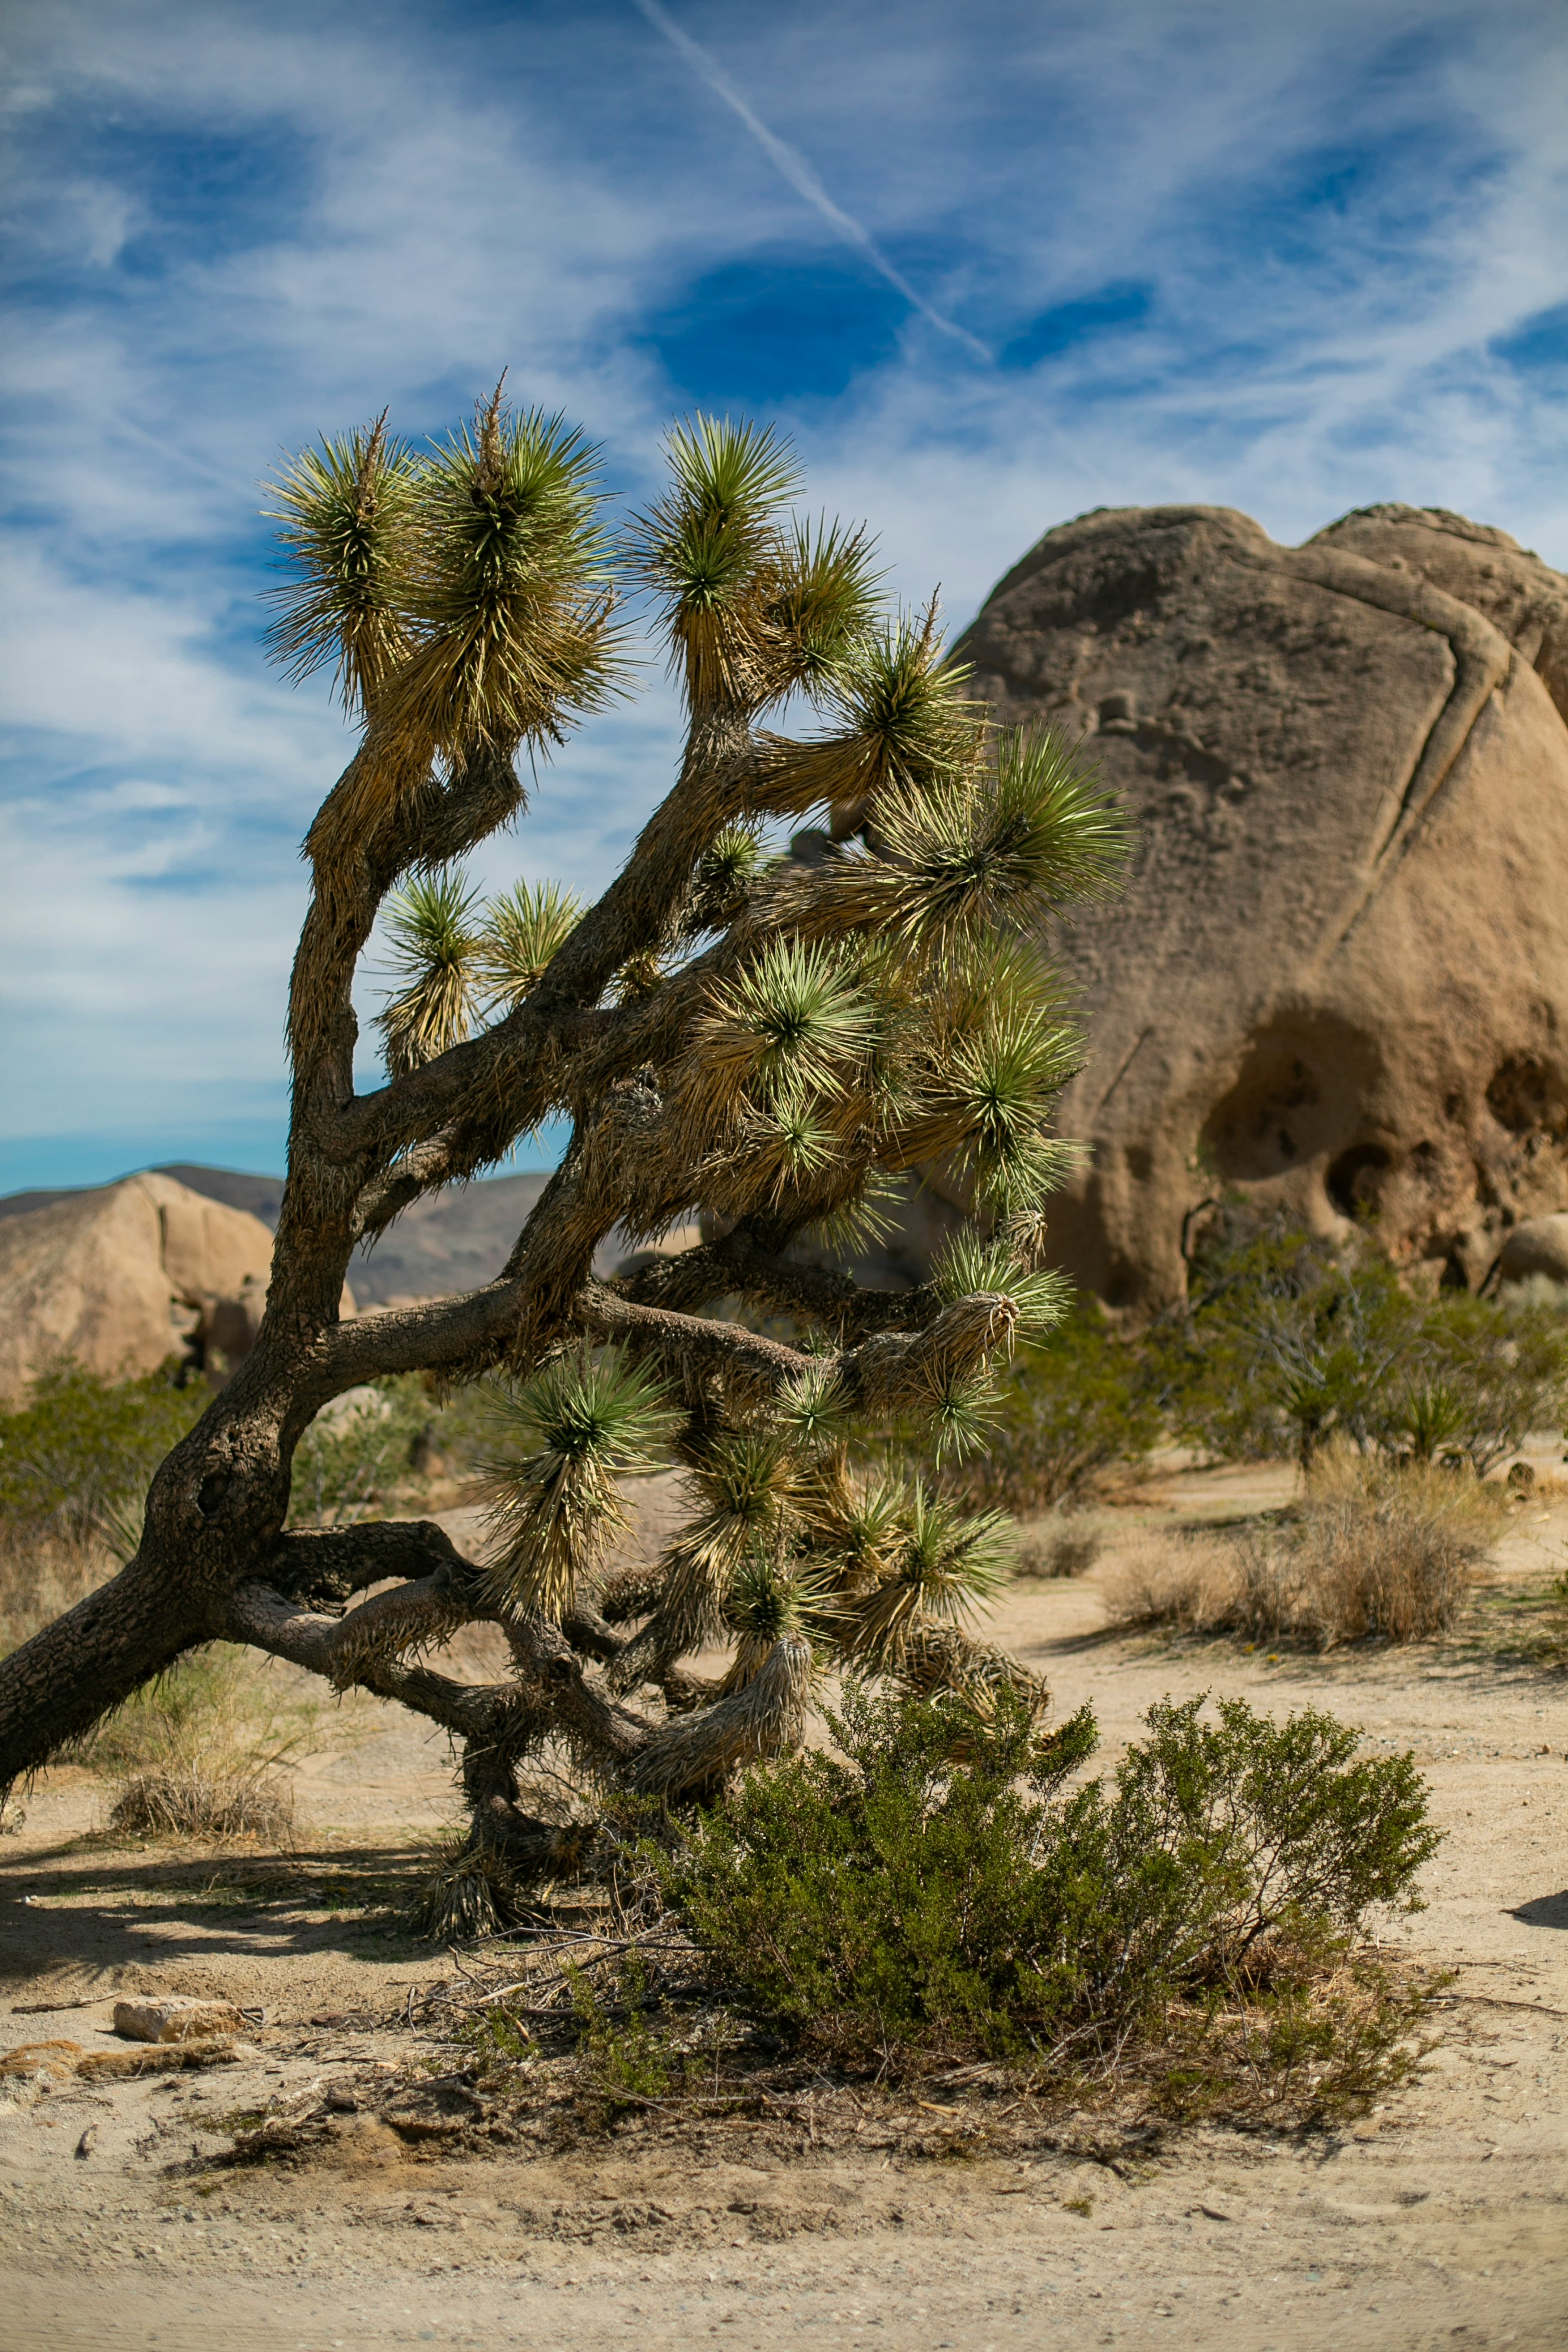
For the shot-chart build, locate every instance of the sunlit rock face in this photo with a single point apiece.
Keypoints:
(1338, 975)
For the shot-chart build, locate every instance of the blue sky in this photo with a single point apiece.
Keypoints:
(990, 266)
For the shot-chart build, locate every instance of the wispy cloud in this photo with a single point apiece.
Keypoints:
(1292, 261)
(799, 174)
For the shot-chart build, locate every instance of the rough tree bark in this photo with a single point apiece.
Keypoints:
(758, 1039)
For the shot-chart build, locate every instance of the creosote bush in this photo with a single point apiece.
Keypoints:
(79, 1450)
(941, 1890)
(1288, 1341)
(1374, 1547)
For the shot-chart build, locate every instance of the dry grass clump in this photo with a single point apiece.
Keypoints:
(43, 1572)
(200, 1752)
(1188, 1581)
(1374, 1549)
(1068, 1547)
(186, 1801)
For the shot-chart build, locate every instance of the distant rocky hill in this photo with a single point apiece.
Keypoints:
(122, 1276)
(1337, 977)
(451, 1243)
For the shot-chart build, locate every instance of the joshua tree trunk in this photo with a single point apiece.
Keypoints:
(764, 1040)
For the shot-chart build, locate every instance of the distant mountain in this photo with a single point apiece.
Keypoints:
(259, 1195)
(262, 1195)
(453, 1242)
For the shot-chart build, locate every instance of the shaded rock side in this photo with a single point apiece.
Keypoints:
(1337, 976)
(124, 1276)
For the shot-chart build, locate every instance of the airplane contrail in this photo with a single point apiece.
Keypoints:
(798, 172)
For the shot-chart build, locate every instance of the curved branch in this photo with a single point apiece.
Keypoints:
(512, 1073)
(736, 1268)
(636, 913)
(332, 1563)
(690, 1340)
(266, 1621)
(345, 1648)
(472, 1330)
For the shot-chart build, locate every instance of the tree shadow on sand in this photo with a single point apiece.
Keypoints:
(71, 1906)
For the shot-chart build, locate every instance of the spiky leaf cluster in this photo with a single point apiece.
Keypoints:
(347, 512)
(522, 930)
(434, 942)
(506, 590)
(563, 1443)
(755, 605)
(461, 595)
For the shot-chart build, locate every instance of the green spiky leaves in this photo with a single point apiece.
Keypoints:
(962, 855)
(347, 509)
(754, 604)
(902, 724)
(519, 935)
(431, 931)
(948, 1562)
(508, 591)
(454, 957)
(971, 1265)
(770, 1602)
(462, 595)
(813, 1411)
(727, 868)
(791, 1022)
(566, 1437)
(823, 604)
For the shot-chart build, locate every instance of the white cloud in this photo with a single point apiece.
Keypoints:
(402, 205)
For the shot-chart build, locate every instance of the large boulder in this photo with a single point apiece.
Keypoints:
(1338, 975)
(1537, 1247)
(123, 1276)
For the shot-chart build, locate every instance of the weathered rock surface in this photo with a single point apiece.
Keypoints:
(1337, 976)
(175, 2017)
(124, 1276)
(1540, 1245)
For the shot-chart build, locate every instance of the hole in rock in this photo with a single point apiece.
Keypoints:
(1352, 1179)
(1529, 1097)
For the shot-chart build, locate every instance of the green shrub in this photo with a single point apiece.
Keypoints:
(76, 1457)
(939, 1890)
(1503, 1364)
(1288, 1339)
(82, 1444)
(1284, 1342)
(356, 1457)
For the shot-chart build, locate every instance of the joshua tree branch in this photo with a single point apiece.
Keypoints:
(266, 1621)
(735, 1267)
(639, 909)
(690, 1340)
(337, 1563)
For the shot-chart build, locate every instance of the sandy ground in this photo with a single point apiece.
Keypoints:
(1441, 2220)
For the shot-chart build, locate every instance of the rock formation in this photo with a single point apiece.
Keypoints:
(1538, 1247)
(1337, 976)
(125, 1275)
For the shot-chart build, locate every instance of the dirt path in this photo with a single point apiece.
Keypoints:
(1442, 2220)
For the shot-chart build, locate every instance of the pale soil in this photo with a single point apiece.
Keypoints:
(1442, 2220)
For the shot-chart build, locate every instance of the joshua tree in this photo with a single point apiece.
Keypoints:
(767, 1041)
